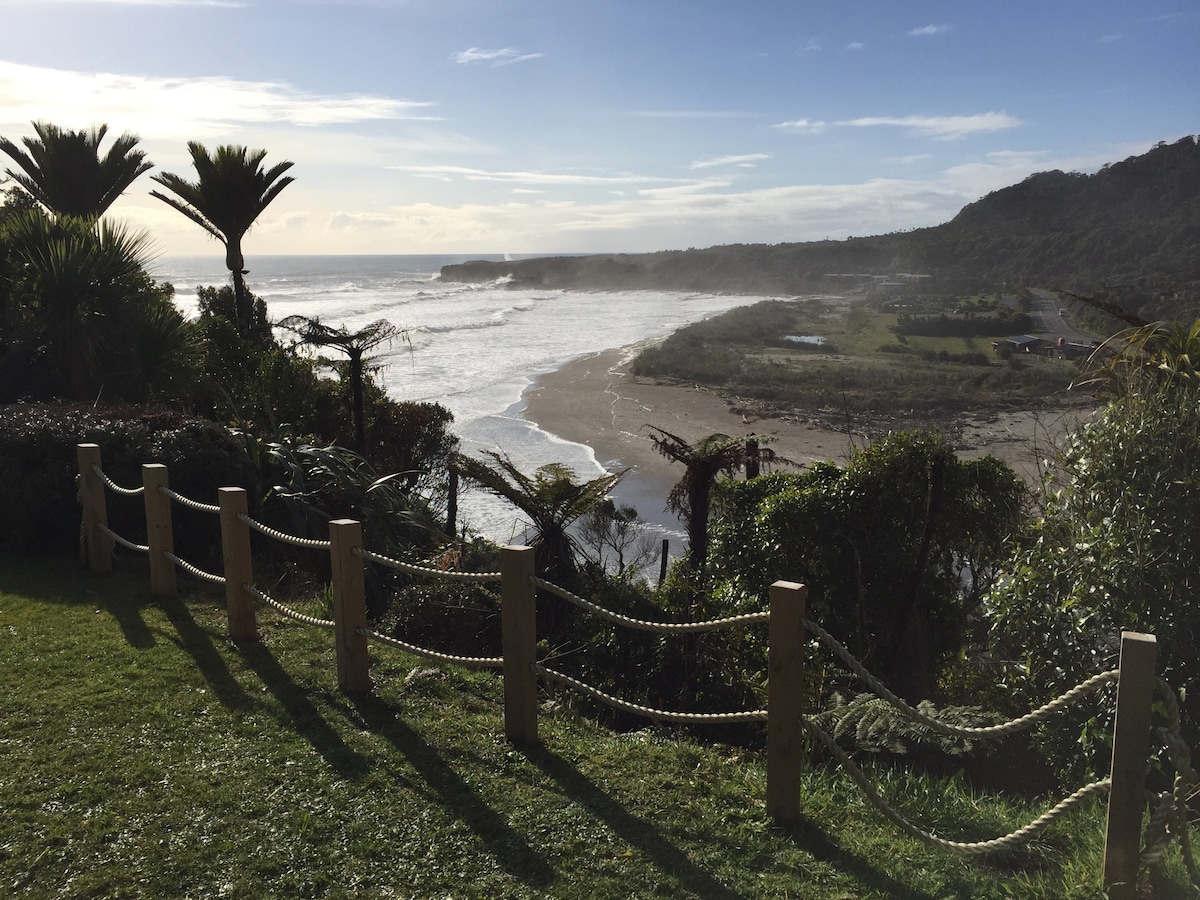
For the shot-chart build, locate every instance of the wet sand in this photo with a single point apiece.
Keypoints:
(595, 401)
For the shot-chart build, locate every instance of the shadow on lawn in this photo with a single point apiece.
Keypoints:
(811, 838)
(510, 849)
(667, 857)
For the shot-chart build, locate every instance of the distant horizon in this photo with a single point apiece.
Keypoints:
(548, 129)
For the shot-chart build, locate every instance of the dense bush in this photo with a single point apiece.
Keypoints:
(38, 467)
(1116, 548)
(897, 549)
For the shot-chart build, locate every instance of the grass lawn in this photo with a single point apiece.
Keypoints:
(142, 754)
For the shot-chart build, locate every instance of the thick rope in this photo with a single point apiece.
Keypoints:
(1002, 730)
(424, 570)
(116, 488)
(758, 715)
(282, 536)
(972, 848)
(642, 624)
(188, 502)
(286, 611)
(478, 662)
(136, 548)
(192, 570)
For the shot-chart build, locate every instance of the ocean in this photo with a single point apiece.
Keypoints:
(474, 348)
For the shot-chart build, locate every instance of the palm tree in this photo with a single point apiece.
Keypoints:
(551, 498)
(77, 279)
(354, 345)
(705, 460)
(63, 170)
(230, 192)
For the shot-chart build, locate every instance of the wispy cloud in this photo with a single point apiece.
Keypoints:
(741, 160)
(1109, 38)
(503, 57)
(941, 127)
(687, 114)
(529, 177)
(855, 45)
(180, 107)
(929, 30)
(802, 126)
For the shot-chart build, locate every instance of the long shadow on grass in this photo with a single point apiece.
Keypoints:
(306, 718)
(634, 831)
(198, 643)
(809, 836)
(509, 848)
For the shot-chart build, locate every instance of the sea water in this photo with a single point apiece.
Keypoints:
(474, 348)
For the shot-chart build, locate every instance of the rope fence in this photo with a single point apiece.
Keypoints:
(188, 502)
(643, 625)
(787, 728)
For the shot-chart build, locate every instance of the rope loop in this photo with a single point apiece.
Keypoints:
(136, 548)
(414, 569)
(477, 662)
(1004, 729)
(187, 501)
(114, 487)
(657, 715)
(192, 570)
(283, 536)
(287, 611)
(642, 624)
(969, 848)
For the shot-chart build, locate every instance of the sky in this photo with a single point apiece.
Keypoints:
(573, 126)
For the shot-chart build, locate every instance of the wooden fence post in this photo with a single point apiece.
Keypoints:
(1131, 745)
(518, 623)
(785, 691)
(349, 606)
(95, 509)
(159, 533)
(235, 548)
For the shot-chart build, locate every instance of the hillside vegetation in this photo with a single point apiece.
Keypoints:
(1134, 225)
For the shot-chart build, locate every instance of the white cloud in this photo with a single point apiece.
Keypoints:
(687, 114)
(802, 126)
(929, 30)
(1109, 39)
(745, 159)
(529, 177)
(942, 127)
(855, 45)
(179, 108)
(504, 57)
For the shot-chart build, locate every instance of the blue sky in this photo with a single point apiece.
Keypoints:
(539, 126)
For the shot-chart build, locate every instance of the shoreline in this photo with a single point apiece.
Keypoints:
(595, 401)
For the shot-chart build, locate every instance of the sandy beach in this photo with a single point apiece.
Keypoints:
(597, 402)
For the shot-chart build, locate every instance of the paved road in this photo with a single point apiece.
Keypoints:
(1047, 321)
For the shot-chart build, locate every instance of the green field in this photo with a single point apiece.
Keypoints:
(863, 366)
(145, 755)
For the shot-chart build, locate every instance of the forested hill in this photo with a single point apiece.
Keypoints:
(1135, 223)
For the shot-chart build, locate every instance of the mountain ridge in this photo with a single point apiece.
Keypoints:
(1134, 223)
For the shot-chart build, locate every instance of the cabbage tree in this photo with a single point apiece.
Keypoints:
(230, 192)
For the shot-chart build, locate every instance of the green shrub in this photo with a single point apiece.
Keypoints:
(38, 467)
